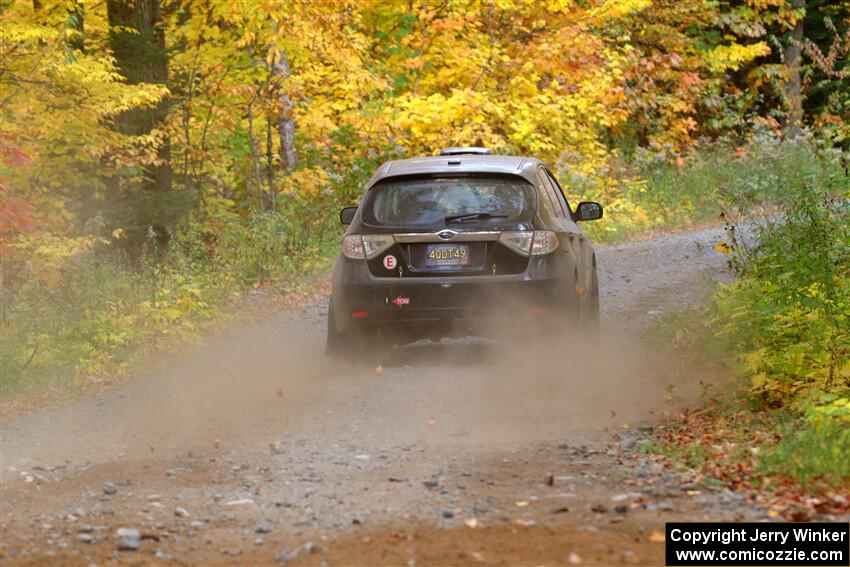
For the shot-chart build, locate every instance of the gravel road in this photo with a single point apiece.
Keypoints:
(254, 449)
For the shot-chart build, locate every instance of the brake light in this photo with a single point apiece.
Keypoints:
(365, 247)
(359, 314)
(530, 243)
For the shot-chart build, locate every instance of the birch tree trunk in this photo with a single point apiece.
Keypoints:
(286, 121)
(794, 86)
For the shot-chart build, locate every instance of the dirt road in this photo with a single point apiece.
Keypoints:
(254, 449)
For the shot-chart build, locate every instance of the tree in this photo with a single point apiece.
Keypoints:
(137, 40)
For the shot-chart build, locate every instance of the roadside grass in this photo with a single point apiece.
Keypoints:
(797, 464)
(109, 313)
(651, 192)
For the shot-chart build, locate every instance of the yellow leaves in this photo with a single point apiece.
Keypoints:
(307, 181)
(439, 120)
(731, 57)
(613, 9)
(47, 254)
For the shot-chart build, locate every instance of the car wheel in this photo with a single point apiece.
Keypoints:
(337, 344)
(592, 316)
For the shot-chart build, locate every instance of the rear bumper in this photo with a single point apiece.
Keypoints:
(452, 304)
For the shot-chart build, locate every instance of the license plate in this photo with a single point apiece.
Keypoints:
(447, 255)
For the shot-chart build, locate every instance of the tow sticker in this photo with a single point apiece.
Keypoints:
(400, 301)
(390, 262)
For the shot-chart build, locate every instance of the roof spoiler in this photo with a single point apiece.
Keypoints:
(468, 151)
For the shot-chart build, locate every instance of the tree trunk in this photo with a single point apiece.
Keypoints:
(794, 86)
(255, 160)
(141, 58)
(286, 122)
(270, 161)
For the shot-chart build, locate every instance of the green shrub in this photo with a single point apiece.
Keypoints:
(789, 313)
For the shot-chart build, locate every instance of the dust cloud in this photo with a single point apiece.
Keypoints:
(274, 382)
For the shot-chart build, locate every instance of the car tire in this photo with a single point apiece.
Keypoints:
(338, 344)
(592, 314)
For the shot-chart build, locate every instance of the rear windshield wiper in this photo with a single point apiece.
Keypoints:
(473, 216)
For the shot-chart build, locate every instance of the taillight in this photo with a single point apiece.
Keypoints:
(545, 242)
(517, 241)
(529, 243)
(365, 247)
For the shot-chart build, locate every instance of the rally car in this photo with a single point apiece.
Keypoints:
(464, 243)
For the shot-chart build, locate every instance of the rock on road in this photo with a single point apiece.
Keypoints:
(255, 449)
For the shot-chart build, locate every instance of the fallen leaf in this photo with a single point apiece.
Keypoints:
(471, 523)
(574, 558)
(431, 423)
(216, 443)
(657, 537)
(379, 370)
(522, 503)
(280, 392)
(723, 248)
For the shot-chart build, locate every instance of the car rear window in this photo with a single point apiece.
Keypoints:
(427, 201)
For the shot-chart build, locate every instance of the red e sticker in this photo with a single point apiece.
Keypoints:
(390, 262)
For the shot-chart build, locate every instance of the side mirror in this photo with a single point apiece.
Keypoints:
(346, 215)
(588, 210)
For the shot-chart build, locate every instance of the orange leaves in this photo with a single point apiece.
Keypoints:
(10, 154)
(15, 212)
